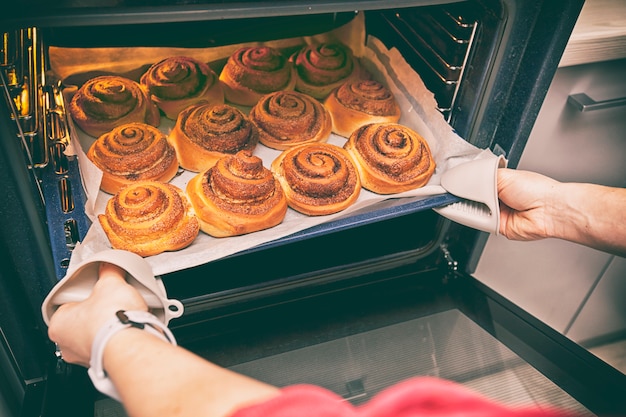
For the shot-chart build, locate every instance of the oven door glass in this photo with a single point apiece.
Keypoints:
(446, 344)
(358, 341)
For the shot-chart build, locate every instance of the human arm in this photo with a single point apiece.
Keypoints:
(152, 376)
(533, 206)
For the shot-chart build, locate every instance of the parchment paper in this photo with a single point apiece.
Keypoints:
(419, 112)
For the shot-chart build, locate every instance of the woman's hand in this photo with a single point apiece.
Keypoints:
(73, 326)
(527, 200)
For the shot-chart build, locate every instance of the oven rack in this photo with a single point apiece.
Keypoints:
(439, 41)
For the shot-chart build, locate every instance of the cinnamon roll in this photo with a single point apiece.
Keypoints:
(322, 67)
(359, 102)
(130, 153)
(237, 196)
(254, 71)
(148, 218)
(391, 158)
(288, 118)
(178, 82)
(204, 133)
(105, 102)
(318, 178)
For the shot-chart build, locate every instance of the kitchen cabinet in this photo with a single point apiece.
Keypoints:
(604, 313)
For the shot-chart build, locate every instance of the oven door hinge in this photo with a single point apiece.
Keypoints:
(450, 265)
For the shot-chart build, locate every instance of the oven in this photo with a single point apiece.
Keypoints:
(354, 303)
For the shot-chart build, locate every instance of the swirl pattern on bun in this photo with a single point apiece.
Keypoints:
(359, 102)
(178, 82)
(130, 153)
(288, 118)
(237, 196)
(204, 133)
(318, 178)
(322, 67)
(254, 71)
(148, 218)
(105, 102)
(391, 158)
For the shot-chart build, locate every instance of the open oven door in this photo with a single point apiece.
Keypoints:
(357, 341)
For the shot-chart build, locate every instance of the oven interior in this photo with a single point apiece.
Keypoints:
(438, 41)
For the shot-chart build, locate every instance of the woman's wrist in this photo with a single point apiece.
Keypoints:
(579, 217)
(556, 211)
(122, 322)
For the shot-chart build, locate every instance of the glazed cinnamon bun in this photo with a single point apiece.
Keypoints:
(237, 196)
(204, 133)
(318, 178)
(288, 118)
(130, 153)
(254, 71)
(148, 218)
(178, 82)
(359, 102)
(105, 102)
(322, 67)
(391, 158)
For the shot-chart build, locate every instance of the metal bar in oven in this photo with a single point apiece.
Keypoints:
(23, 66)
(455, 72)
(440, 59)
(458, 20)
(463, 68)
(62, 185)
(21, 135)
(8, 58)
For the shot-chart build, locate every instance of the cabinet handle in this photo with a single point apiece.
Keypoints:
(582, 102)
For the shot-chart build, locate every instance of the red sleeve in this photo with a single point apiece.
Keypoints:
(300, 401)
(417, 397)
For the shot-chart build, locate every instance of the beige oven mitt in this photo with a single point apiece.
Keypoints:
(476, 183)
(80, 279)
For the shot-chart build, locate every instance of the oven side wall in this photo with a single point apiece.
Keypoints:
(25, 271)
